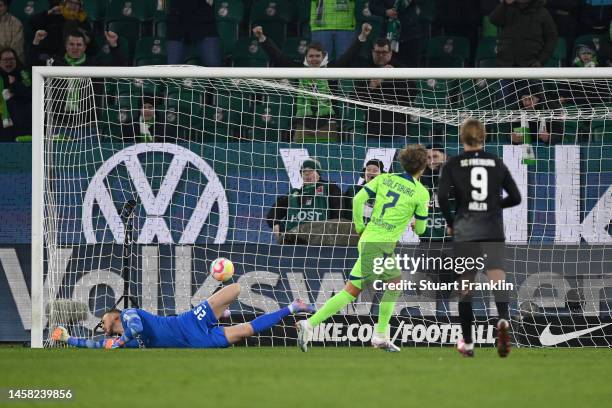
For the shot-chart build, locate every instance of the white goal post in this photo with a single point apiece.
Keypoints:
(58, 189)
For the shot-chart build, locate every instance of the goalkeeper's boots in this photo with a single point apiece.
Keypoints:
(304, 334)
(466, 350)
(299, 306)
(383, 343)
(503, 338)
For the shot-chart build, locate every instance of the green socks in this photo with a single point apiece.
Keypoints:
(385, 310)
(340, 300)
(331, 307)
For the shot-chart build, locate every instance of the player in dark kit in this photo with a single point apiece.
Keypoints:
(477, 179)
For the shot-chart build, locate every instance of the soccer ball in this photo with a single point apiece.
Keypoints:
(222, 269)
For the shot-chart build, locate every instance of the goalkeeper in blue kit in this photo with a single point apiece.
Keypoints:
(197, 328)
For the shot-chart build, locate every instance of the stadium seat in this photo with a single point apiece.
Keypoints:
(248, 53)
(141, 10)
(434, 93)
(302, 15)
(192, 57)
(559, 55)
(272, 118)
(25, 9)
(295, 48)
(228, 14)
(600, 132)
(103, 56)
(111, 119)
(228, 34)
(223, 118)
(127, 30)
(184, 109)
(486, 53)
(150, 51)
(352, 118)
(488, 28)
(447, 51)
(232, 10)
(273, 16)
(95, 9)
(479, 94)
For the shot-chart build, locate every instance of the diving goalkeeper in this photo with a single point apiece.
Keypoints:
(197, 328)
(398, 198)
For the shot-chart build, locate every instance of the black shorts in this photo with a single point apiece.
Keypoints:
(489, 253)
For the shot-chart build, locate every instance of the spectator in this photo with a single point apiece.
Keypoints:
(192, 23)
(404, 27)
(332, 24)
(528, 35)
(75, 50)
(149, 125)
(447, 21)
(63, 17)
(71, 90)
(313, 114)
(436, 224)
(586, 57)
(373, 168)
(15, 97)
(383, 123)
(564, 14)
(531, 98)
(605, 50)
(300, 216)
(595, 19)
(11, 30)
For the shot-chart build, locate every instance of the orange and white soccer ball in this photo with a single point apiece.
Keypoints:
(222, 269)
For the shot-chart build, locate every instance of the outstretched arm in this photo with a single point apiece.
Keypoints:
(133, 324)
(61, 334)
(368, 191)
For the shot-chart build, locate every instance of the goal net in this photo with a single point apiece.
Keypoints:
(144, 176)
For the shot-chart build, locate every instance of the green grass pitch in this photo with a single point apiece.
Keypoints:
(323, 377)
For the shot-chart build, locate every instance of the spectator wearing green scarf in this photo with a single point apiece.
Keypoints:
(405, 30)
(15, 97)
(313, 113)
(69, 90)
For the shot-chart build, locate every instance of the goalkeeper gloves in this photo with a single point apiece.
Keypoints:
(60, 334)
(114, 343)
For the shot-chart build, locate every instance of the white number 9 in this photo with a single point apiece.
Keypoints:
(480, 181)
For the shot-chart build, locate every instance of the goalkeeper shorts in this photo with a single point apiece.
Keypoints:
(202, 329)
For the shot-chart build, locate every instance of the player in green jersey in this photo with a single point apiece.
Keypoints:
(398, 199)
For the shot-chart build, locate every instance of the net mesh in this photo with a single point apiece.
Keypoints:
(206, 160)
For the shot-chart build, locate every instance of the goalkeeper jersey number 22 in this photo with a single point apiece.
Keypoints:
(398, 198)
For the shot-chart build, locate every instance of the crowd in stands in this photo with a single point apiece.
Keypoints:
(314, 33)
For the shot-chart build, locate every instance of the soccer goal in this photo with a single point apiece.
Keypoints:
(143, 176)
